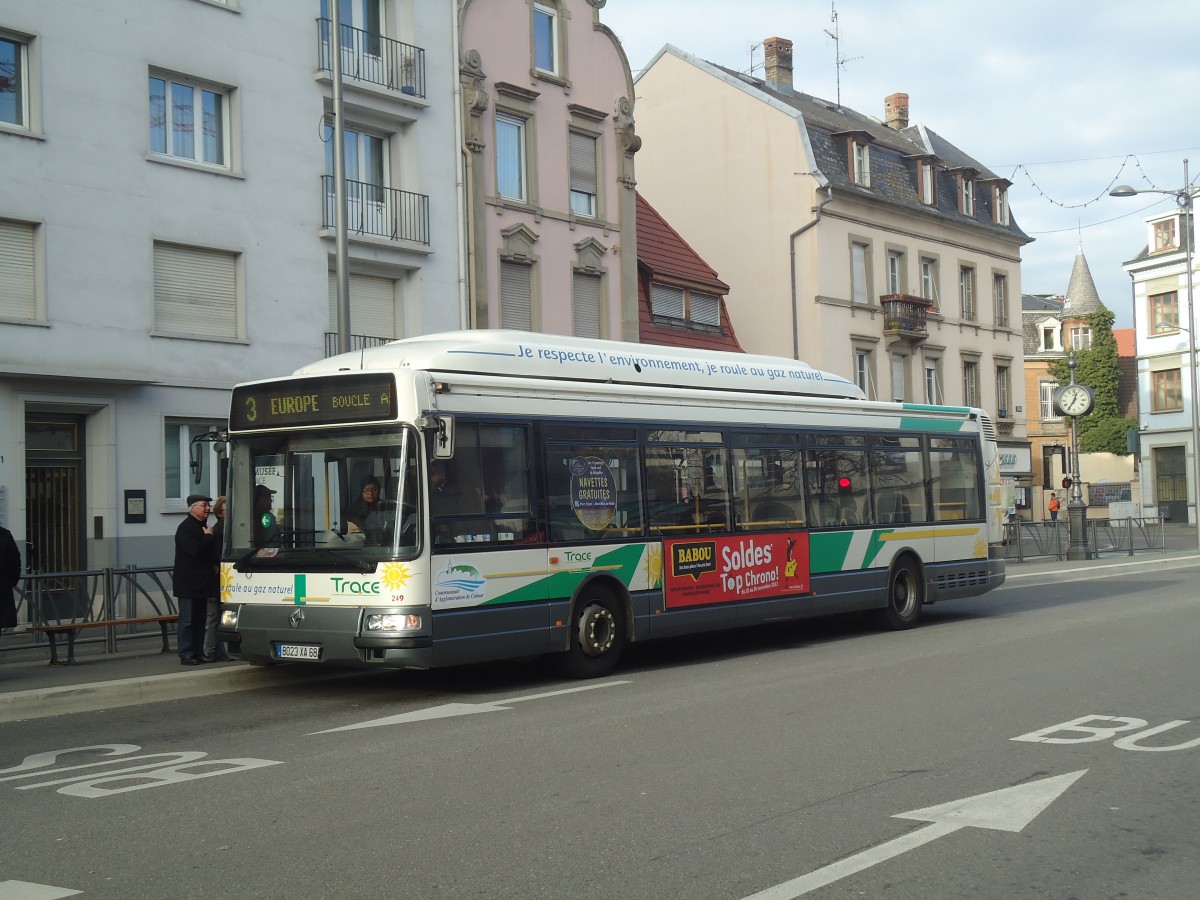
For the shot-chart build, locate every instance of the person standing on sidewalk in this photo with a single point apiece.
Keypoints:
(214, 651)
(193, 579)
(10, 574)
(1054, 506)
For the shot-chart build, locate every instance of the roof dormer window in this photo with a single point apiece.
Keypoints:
(1163, 237)
(966, 194)
(861, 154)
(858, 156)
(927, 182)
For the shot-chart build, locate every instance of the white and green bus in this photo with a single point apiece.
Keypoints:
(484, 495)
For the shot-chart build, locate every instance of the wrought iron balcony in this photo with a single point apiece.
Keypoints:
(381, 211)
(904, 315)
(371, 57)
(357, 342)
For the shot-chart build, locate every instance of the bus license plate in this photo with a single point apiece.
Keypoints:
(300, 651)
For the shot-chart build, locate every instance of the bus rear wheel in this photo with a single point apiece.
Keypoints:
(597, 637)
(906, 594)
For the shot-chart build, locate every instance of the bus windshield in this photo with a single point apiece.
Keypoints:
(337, 501)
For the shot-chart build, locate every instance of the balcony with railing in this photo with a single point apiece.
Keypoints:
(357, 342)
(369, 57)
(372, 209)
(904, 316)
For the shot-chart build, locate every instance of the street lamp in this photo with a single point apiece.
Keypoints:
(1184, 198)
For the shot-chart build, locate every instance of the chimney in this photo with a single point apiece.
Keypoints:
(778, 55)
(895, 111)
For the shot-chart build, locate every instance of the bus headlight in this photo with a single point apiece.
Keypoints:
(229, 617)
(393, 622)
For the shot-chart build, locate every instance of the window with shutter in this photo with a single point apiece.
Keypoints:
(667, 301)
(372, 306)
(516, 296)
(586, 305)
(18, 294)
(582, 152)
(704, 309)
(195, 291)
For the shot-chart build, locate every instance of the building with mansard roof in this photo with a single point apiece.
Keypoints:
(875, 249)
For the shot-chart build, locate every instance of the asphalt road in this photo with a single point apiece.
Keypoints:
(775, 760)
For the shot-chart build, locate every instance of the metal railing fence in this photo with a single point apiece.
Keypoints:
(1029, 540)
(92, 595)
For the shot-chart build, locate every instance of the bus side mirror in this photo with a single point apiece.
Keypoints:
(442, 428)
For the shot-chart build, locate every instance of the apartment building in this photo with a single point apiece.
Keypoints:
(874, 249)
(166, 230)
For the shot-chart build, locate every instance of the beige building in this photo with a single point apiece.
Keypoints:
(548, 144)
(876, 250)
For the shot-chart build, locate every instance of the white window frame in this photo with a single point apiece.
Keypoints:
(895, 272)
(966, 195)
(167, 144)
(861, 165)
(177, 461)
(549, 14)
(1000, 298)
(1003, 391)
(1081, 337)
(21, 114)
(1046, 400)
(684, 306)
(933, 380)
(864, 371)
(583, 153)
(511, 154)
(966, 293)
(928, 185)
(1000, 204)
(970, 385)
(929, 280)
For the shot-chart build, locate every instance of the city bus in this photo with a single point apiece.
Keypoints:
(482, 495)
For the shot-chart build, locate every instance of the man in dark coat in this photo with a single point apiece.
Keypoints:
(193, 579)
(10, 574)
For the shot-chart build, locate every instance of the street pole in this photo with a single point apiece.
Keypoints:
(1185, 200)
(1076, 507)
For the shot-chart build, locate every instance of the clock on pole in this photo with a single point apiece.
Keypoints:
(1074, 400)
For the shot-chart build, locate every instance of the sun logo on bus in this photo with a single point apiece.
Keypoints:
(394, 576)
(654, 565)
(226, 582)
(980, 549)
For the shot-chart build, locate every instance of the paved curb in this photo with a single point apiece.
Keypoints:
(40, 703)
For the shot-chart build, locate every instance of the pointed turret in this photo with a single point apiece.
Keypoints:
(1082, 299)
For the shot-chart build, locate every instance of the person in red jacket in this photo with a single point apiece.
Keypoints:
(1054, 506)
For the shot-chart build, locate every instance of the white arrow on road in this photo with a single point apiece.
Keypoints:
(449, 710)
(1008, 809)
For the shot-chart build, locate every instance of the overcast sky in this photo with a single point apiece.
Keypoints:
(1052, 94)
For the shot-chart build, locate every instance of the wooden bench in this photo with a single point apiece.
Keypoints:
(71, 629)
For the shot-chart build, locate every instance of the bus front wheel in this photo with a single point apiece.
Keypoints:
(906, 594)
(597, 637)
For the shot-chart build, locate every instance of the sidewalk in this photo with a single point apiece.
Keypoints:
(140, 673)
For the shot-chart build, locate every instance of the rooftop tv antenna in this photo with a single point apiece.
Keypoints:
(840, 61)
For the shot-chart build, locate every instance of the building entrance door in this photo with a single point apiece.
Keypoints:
(1170, 479)
(54, 491)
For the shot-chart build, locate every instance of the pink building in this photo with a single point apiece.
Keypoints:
(548, 145)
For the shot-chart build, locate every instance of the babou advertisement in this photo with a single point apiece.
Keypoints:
(724, 569)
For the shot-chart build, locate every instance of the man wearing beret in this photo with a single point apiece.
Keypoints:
(194, 580)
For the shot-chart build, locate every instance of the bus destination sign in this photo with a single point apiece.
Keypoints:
(332, 400)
